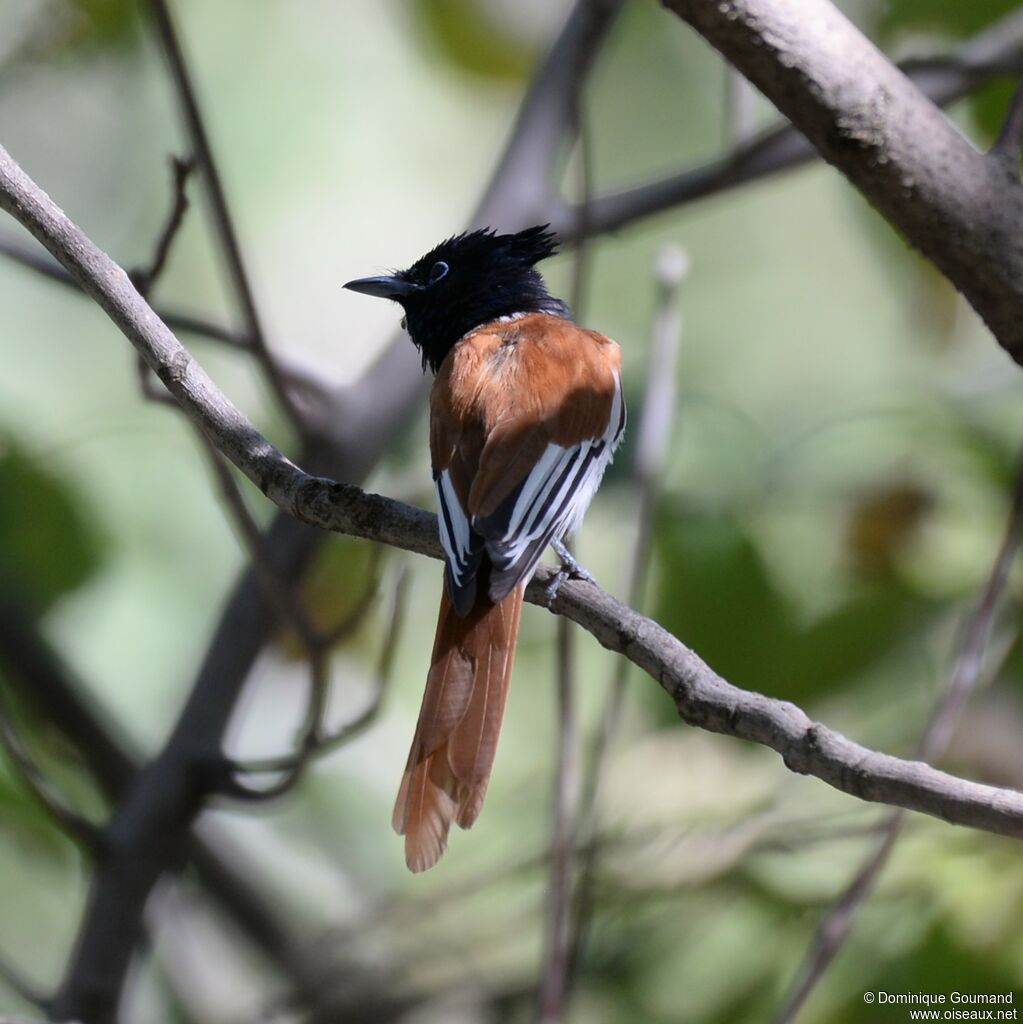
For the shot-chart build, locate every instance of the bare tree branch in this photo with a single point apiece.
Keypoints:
(554, 972)
(146, 277)
(702, 697)
(547, 114)
(315, 740)
(656, 416)
(959, 208)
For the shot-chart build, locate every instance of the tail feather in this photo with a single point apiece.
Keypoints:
(453, 750)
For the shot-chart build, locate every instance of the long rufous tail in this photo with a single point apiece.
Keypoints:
(453, 749)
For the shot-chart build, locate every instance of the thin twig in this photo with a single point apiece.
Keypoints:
(289, 610)
(653, 433)
(553, 986)
(554, 978)
(584, 166)
(176, 320)
(1010, 138)
(317, 742)
(224, 223)
(146, 277)
(73, 824)
(285, 602)
(766, 832)
(836, 927)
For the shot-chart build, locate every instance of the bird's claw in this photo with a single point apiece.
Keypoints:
(570, 569)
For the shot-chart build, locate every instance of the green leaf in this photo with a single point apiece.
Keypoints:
(989, 107)
(953, 17)
(73, 28)
(716, 594)
(23, 817)
(48, 544)
(465, 36)
(343, 577)
(106, 23)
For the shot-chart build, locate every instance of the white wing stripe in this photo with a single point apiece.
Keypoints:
(447, 540)
(459, 523)
(552, 509)
(538, 483)
(556, 484)
(454, 534)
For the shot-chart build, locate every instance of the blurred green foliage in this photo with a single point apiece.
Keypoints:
(341, 582)
(74, 30)
(471, 40)
(715, 590)
(103, 23)
(48, 543)
(951, 17)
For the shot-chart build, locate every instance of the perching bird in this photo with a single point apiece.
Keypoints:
(525, 413)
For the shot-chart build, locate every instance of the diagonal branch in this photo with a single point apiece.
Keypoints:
(962, 210)
(701, 696)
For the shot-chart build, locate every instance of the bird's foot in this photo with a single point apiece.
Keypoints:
(570, 569)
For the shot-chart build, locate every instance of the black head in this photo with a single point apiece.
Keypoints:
(466, 281)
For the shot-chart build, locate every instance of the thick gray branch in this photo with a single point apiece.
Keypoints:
(703, 698)
(961, 209)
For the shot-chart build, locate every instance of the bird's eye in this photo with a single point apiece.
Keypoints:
(437, 271)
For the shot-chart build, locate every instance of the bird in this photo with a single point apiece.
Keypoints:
(526, 410)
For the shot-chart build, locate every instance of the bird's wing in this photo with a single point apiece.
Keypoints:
(525, 419)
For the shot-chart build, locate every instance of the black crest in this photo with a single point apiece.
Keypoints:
(469, 280)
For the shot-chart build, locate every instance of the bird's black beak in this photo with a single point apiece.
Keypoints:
(383, 287)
